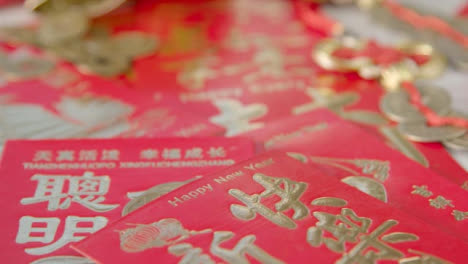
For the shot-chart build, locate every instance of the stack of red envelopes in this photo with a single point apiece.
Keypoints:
(230, 143)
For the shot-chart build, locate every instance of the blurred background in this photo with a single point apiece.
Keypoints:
(45, 35)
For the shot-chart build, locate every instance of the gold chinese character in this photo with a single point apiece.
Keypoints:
(237, 254)
(88, 155)
(87, 190)
(218, 152)
(196, 76)
(326, 98)
(149, 154)
(421, 190)
(110, 154)
(289, 191)
(194, 153)
(43, 155)
(440, 202)
(171, 153)
(65, 155)
(238, 118)
(383, 251)
(74, 230)
(347, 227)
(378, 168)
(459, 215)
(422, 258)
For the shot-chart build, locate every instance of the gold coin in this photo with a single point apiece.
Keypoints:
(92, 8)
(460, 24)
(46, 7)
(368, 4)
(19, 35)
(135, 44)
(421, 132)
(99, 32)
(102, 59)
(384, 16)
(36, 5)
(434, 66)
(97, 8)
(456, 53)
(396, 105)
(459, 143)
(62, 26)
(71, 51)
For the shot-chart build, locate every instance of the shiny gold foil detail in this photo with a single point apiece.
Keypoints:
(289, 191)
(440, 202)
(329, 201)
(422, 258)
(398, 237)
(459, 215)
(300, 157)
(152, 194)
(368, 186)
(422, 191)
(348, 228)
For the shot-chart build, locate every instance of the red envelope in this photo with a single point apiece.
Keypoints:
(59, 192)
(270, 209)
(361, 160)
